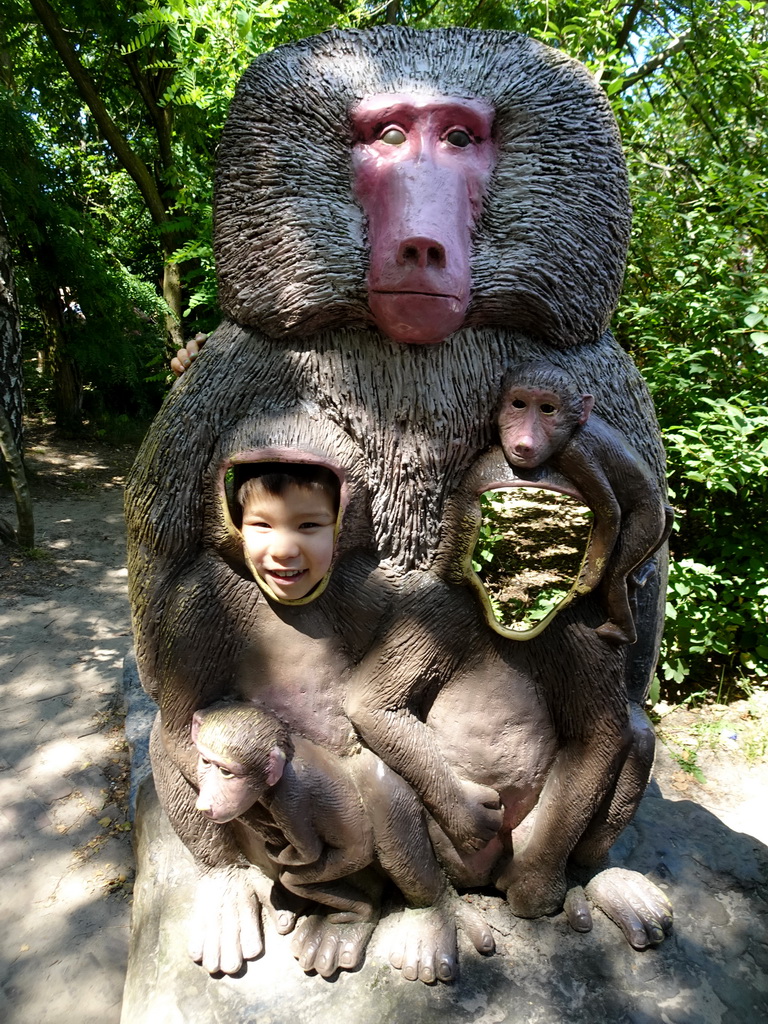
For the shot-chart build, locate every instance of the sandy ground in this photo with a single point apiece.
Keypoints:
(65, 848)
(65, 845)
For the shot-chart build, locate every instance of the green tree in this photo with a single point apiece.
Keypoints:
(64, 253)
(118, 109)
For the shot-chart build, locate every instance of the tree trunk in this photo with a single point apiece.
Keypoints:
(11, 393)
(67, 390)
(26, 531)
(11, 379)
(67, 395)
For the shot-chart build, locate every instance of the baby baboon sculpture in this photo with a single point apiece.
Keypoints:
(401, 217)
(544, 419)
(319, 832)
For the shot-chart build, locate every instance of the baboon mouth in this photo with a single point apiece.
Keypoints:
(415, 291)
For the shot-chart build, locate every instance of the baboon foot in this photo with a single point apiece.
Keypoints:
(283, 907)
(226, 919)
(531, 891)
(424, 947)
(326, 946)
(474, 926)
(635, 904)
(614, 634)
(577, 910)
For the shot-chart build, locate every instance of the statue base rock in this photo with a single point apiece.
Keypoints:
(712, 970)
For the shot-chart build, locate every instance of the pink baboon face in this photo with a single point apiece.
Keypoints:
(226, 790)
(534, 423)
(421, 169)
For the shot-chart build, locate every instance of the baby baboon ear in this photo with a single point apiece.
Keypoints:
(587, 405)
(197, 721)
(276, 765)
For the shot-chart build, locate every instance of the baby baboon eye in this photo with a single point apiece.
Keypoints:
(226, 774)
(518, 403)
(458, 137)
(547, 408)
(393, 137)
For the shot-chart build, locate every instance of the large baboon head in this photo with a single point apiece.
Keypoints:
(421, 182)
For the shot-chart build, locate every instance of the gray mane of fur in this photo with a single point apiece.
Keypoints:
(550, 246)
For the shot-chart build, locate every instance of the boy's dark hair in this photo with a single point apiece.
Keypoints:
(276, 477)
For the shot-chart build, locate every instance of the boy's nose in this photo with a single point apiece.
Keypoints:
(284, 546)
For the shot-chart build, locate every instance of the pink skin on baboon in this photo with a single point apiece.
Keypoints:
(421, 165)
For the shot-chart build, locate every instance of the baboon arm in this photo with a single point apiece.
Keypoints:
(580, 464)
(469, 813)
(304, 844)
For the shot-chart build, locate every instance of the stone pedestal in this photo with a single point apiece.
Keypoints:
(713, 970)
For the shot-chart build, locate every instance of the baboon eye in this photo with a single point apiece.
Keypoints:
(226, 774)
(393, 137)
(547, 408)
(518, 403)
(458, 137)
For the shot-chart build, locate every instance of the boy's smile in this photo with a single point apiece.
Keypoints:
(289, 538)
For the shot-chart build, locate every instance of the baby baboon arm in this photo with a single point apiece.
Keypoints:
(293, 814)
(581, 465)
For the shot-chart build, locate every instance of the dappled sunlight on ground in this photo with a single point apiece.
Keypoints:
(66, 862)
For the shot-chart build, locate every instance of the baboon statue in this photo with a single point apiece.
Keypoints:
(400, 217)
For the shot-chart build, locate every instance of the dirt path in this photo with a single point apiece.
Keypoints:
(65, 853)
(65, 849)
(717, 756)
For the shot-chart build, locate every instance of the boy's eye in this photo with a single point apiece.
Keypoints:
(309, 526)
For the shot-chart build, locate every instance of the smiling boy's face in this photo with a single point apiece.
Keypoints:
(289, 538)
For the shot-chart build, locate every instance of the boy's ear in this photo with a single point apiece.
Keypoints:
(587, 405)
(275, 766)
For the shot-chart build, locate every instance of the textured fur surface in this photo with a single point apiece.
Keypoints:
(550, 247)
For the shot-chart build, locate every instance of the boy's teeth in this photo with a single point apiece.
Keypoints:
(286, 575)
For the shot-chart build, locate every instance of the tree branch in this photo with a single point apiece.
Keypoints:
(130, 161)
(158, 115)
(628, 24)
(647, 69)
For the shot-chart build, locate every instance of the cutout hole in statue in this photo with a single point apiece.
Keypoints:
(288, 516)
(528, 555)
